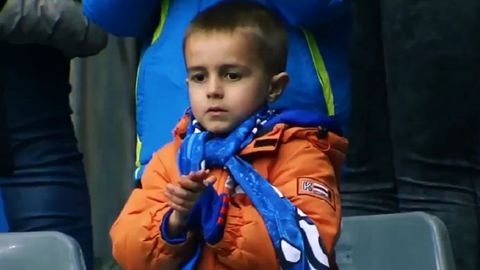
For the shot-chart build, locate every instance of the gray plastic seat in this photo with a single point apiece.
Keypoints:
(413, 241)
(39, 251)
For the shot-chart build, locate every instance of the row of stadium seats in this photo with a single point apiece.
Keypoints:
(413, 241)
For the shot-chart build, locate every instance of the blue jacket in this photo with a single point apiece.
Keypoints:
(317, 61)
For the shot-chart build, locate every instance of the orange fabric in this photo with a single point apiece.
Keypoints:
(283, 156)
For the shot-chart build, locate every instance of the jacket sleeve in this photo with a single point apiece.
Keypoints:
(123, 17)
(59, 23)
(136, 236)
(245, 236)
(308, 13)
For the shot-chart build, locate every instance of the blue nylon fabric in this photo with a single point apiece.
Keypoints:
(279, 214)
(308, 13)
(297, 118)
(123, 17)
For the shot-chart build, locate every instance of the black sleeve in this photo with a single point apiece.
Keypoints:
(5, 157)
(2, 3)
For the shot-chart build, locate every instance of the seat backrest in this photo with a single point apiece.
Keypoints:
(413, 241)
(40, 251)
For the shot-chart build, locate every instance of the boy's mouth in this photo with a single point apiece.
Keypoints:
(216, 109)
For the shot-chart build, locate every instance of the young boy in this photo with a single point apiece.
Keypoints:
(240, 187)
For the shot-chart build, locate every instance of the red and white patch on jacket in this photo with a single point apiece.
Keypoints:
(314, 187)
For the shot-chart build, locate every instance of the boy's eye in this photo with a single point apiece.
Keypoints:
(197, 77)
(232, 76)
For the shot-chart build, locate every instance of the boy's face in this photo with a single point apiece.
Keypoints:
(227, 81)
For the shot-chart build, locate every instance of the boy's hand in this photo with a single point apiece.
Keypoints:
(184, 196)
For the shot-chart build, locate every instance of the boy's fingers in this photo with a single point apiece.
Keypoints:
(185, 203)
(181, 192)
(191, 185)
(196, 182)
(175, 190)
(209, 181)
(199, 176)
(182, 210)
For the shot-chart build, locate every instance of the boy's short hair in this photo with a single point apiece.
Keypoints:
(228, 16)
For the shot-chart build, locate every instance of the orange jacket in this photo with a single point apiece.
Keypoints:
(291, 158)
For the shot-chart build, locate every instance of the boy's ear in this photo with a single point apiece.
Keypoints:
(278, 84)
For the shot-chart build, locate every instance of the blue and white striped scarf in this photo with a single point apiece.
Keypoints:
(293, 234)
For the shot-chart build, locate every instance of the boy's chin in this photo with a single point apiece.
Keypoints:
(219, 129)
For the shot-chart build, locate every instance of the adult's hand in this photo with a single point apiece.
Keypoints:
(58, 23)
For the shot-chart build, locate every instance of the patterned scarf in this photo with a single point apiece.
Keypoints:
(293, 234)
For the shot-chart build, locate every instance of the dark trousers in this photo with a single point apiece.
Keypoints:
(415, 131)
(42, 183)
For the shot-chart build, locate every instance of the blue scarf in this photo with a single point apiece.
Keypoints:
(293, 234)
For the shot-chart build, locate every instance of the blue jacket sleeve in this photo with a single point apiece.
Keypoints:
(308, 13)
(123, 17)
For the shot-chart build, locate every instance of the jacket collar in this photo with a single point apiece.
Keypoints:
(266, 142)
(269, 140)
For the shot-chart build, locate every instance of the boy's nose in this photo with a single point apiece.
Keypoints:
(215, 89)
